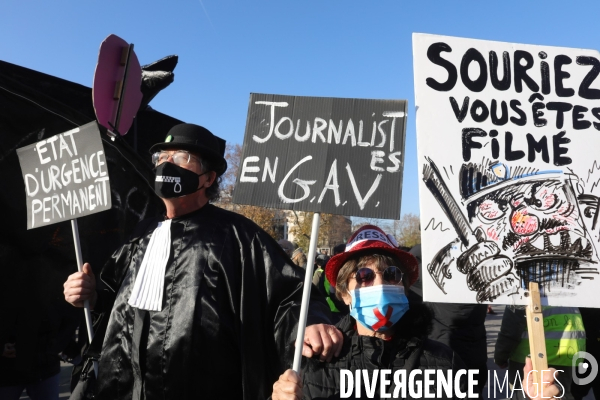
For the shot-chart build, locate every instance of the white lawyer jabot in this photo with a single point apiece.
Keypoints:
(147, 293)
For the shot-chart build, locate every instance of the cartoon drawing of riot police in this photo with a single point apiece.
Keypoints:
(521, 225)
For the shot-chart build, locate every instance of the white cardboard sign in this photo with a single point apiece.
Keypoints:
(508, 141)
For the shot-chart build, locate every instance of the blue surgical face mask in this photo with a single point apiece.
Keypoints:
(378, 307)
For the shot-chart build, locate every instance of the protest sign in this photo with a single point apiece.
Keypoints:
(322, 154)
(65, 176)
(116, 91)
(509, 177)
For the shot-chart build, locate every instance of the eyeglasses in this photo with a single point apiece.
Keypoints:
(366, 276)
(179, 157)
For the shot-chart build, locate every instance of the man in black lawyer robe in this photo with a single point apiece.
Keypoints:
(201, 302)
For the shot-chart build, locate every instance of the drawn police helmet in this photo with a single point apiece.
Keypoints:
(532, 214)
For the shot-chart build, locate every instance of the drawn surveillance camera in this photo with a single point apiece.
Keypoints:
(584, 372)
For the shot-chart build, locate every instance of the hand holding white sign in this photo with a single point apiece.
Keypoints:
(548, 389)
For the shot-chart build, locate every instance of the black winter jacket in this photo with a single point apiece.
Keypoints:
(229, 315)
(513, 325)
(462, 328)
(408, 350)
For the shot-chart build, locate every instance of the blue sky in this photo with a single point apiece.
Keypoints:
(228, 49)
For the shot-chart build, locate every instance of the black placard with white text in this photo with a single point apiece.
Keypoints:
(322, 154)
(65, 176)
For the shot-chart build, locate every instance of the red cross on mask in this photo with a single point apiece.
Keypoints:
(382, 320)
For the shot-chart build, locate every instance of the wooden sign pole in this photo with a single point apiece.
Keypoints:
(535, 328)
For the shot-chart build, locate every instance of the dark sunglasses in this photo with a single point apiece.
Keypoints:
(366, 276)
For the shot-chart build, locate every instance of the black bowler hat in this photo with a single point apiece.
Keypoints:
(197, 139)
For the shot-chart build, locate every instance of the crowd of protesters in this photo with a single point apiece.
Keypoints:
(201, 303)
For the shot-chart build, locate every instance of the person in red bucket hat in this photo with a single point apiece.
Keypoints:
(366, 239)
(371, 276)
(382, 331)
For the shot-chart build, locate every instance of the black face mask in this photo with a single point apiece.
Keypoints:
(174, 181)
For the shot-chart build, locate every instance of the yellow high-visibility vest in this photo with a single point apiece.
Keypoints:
(564, 333)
